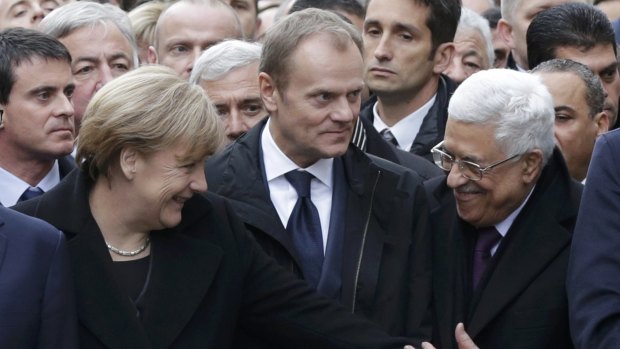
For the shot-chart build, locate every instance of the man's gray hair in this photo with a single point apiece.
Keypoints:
(595, 94)
(67, 18)
(516, 103)
(470, 20)
(223, 57)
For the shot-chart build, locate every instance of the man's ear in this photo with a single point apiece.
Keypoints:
(602, 123)
(504, 29)
(151, 55)
(443, 57)
(268, 91)
(532, 165)
(128, 162)
(1, 117)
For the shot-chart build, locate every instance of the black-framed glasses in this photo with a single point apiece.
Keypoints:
(468, 169)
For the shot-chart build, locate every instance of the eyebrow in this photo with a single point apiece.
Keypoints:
(397, 25)
(563, 108)
(472, 53)
(611, 66)
(46, 88)
(251, 100)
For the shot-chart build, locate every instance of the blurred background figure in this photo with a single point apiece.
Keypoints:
(352, 10)
(500, 48)
(247, 11)
(578, 99)
(188, 27)
(473, 47)
(611, 8)
(25, 13)
(516, 18)
(143, 21)
(102, 46)
(228, 72)
(479, 6)
(581, 33)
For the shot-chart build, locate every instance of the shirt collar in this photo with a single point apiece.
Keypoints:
(503, 226)
(13, 187)
(402, 130)
(277, 164)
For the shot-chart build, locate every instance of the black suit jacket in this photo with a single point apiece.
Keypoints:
(386, 272)
(522, 302)
(207, 277)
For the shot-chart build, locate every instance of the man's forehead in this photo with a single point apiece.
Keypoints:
(37, 72)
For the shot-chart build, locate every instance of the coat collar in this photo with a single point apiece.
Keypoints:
(533, 241)
(242, 181)
(182, 270)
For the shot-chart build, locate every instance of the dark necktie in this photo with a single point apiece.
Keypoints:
(304, 225)
(487, 238)
(388, 136)
(30, 193)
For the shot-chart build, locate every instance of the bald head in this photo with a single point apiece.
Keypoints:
(187, 28)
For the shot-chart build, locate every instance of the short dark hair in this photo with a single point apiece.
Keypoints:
(353, 7)
(18, 45)
(595, 94)
(573, 25)
(442, 21)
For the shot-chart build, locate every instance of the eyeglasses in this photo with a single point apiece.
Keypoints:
(468, 169)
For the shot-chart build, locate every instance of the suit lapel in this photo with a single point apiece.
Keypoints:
(532, 242)
(184, 268)
(532, 247)
(102, 306)
(244, 184)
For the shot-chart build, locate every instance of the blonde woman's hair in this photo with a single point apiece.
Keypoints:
(147, 109)
(144, 19)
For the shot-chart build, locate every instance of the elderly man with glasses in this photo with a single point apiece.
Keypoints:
(503, 217)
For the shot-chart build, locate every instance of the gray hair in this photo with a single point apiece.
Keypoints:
(223, 57)
(67, 18)
(470, 20)
(595, 94)
(516, 103)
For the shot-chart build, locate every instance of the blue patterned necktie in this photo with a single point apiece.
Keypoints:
(304, 225)
(30, 193)
(389, 136)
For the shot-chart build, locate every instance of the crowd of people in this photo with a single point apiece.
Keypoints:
(309, 173)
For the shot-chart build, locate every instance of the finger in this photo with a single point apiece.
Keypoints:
(427, 345)
(462, 338)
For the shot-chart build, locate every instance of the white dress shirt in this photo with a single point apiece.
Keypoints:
(406, 129)
(283, 194)
(12, 187)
